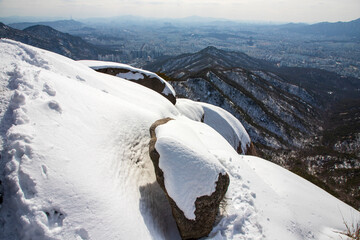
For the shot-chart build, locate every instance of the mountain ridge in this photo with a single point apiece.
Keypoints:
(350, 29)
(212, 54)
(53, 40)
(60, 25)
(289, 113)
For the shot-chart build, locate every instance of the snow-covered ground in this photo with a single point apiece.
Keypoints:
(75, 163)
(76, 151)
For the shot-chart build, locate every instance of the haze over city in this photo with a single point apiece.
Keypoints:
(309, 11)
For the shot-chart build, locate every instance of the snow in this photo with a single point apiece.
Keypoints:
(265, 201)
(219, 119)
(134, 74)
(283, 205)
(75, 162)
(190, 170)
(190, 109)
(130, 76)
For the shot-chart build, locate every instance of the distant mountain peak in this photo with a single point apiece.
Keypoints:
(349, 29)
(60, 25)
(51, 39)
(210, 48)
(209, 57)
(42, 29)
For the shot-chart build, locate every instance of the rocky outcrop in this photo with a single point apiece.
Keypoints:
(206, 206)
(151, 82)
(250, 149)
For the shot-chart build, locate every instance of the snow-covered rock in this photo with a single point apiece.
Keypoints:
(220, 120)
(143, 77)
(75, 163)
(192, 178)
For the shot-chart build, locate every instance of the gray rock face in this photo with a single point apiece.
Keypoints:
(206, 206)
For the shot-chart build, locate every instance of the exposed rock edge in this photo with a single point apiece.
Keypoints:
(149, 82)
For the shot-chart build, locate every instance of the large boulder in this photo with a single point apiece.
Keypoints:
(187, 170)
(140, 76)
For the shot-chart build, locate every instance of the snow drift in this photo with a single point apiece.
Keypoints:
(219, 119)
(75, 163)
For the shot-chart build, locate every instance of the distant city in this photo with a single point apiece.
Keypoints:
(330, 46)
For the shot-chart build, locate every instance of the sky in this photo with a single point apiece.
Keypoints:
(309, 11)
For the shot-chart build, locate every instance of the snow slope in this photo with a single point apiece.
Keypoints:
(217, 118)
(76, 151)
(75, 163)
